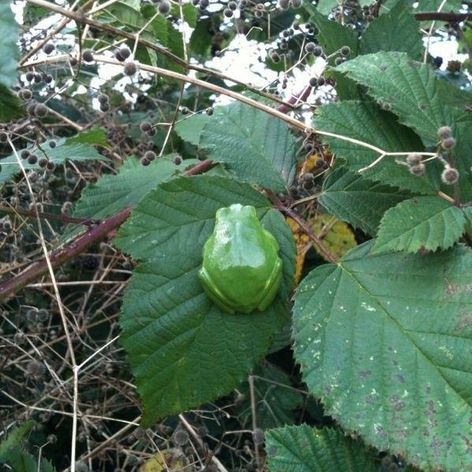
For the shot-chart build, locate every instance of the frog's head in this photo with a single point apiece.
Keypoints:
(236, 212)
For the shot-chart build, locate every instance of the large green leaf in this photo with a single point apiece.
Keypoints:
(421, 222)
(360, 202)
(253, 145)
(8, 46)
(366, 122)
(439, 5)
(183, 349)
(15, 438)
(113, 193)
(394, 31)
(58, 154)
(385, 341)
(306, 449)
(409, 89)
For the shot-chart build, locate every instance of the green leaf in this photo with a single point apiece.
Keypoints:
(191, 129)
(358, 201)
(332, 36)
(96, 136)
(306, 449)
(10, 105)
(254, 146)
(421, 222)
(15, 438)
(59, 154)
(368, 123)
(113, 193)
(275, 398)
(385, 341)
(410, 90)
(383, 34)
(8, 46)
(325, 6)
(183, 350)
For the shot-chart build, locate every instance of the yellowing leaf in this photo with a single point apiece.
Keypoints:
(302, 243)
(164, 461)
(336, 235)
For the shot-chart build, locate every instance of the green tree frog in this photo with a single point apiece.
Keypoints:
(241, 268)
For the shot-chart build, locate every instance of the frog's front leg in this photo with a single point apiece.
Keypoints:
(213, 293)
(272, 287)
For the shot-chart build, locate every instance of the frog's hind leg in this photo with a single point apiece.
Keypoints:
(273, 288)
(212, 292)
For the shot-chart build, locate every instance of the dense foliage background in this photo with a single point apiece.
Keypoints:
(125, 125)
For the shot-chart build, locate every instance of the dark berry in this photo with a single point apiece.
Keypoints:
(275, 56)
(87, 55)
(209, 111)
(32, 159)
(125, 51)
(345, 51)
(38, 78)
(283, 4)
(448, 143)
(228, 13)
(321, 81)
(130, 68)
(25, 94)
(118, 56)
(185, 111)
(232, 6)
(50, 166)
(3, 137)
(444, 132)
(296, 3)
(418, 169)
(43, 162)
(145, 126)
(149, 155)
(29, 76)
(177, 160)
(48, 78)
(310, 47)
(313, 82)
(104, 107)
(413, 159)
(102, 98)
(450, 176)
(48, 48)
(145, 162)
(164, 7)
(52, 144)
(24, 154)
(40, 110)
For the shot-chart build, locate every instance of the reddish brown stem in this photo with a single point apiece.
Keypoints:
(48, 216)
(58, 257)
(299, 97)
(443, 16)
